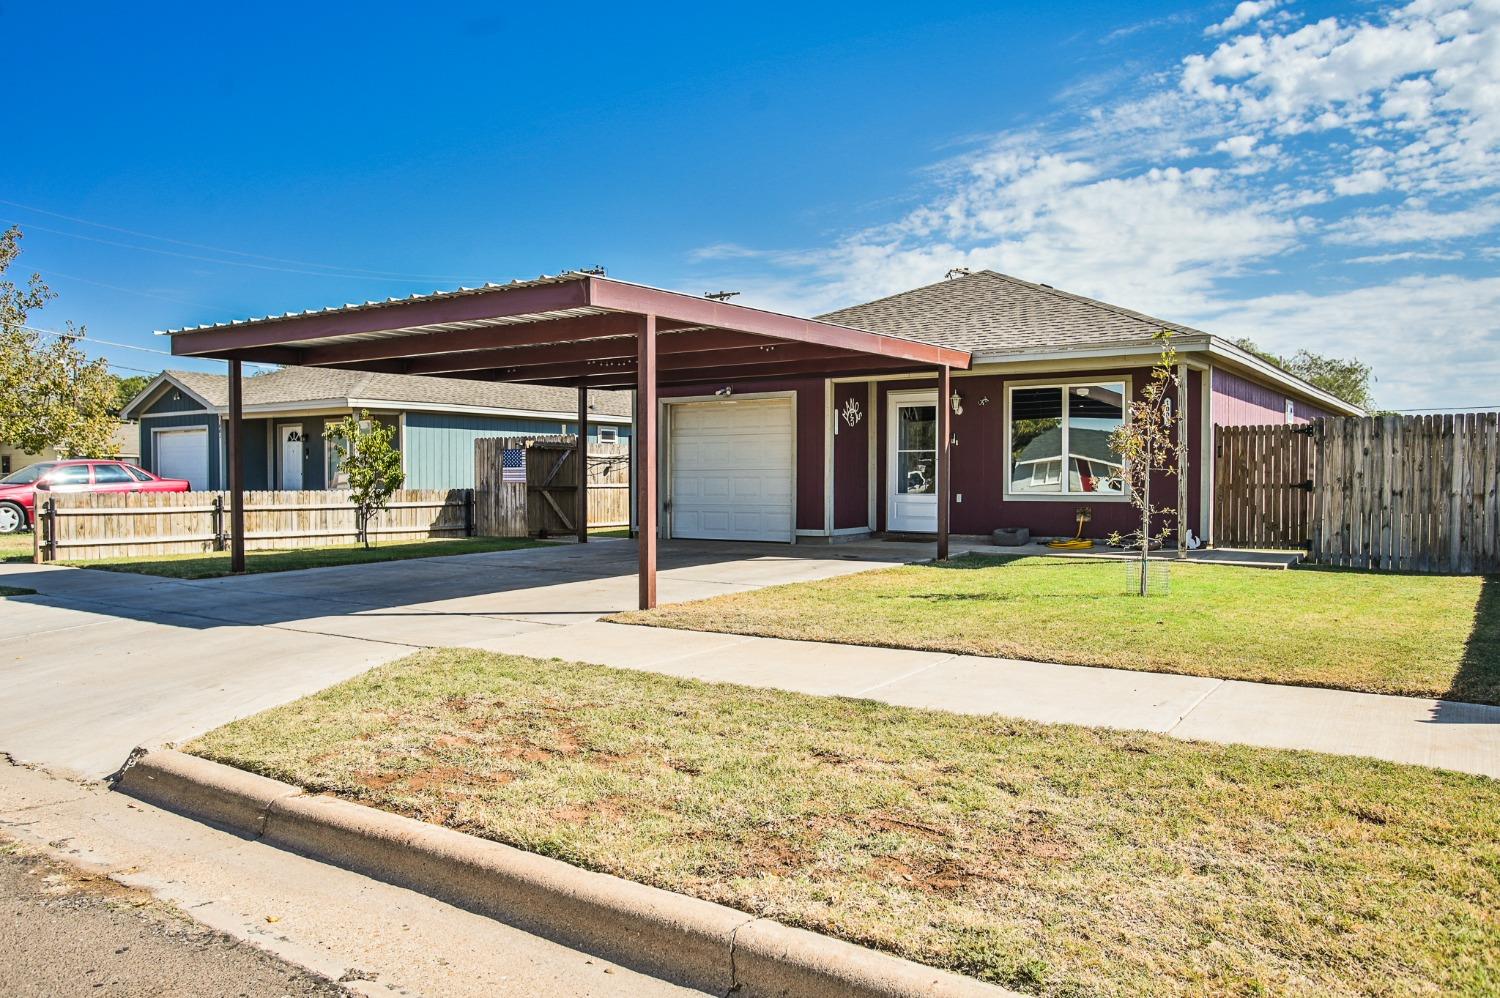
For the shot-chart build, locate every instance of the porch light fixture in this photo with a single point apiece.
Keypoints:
(956, 401)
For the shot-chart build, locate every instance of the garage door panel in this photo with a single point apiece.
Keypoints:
(732, 470)
(183, 454)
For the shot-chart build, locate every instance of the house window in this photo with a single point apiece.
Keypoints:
(1058, 440)
(609, 435)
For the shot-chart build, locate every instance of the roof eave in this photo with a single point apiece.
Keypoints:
(1223, 349)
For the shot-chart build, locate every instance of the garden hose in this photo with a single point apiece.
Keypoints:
(1077, 542)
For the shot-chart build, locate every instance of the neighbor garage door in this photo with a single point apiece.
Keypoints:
(731, 470)
(183, 454)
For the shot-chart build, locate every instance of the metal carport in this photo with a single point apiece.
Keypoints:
(579, 330)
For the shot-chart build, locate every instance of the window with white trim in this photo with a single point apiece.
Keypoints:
(1057, 437)
(609, 434)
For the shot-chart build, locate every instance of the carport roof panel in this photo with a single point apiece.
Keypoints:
(534, 304)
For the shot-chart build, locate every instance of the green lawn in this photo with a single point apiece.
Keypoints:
(208, 566)
(1418, 635)
(15, 547)
(1058, 860)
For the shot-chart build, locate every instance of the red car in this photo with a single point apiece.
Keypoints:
(18, 489)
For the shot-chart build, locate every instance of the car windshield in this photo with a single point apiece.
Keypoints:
(28, 474)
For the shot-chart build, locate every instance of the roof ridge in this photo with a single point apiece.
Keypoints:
(1129, 313)
(908, 291)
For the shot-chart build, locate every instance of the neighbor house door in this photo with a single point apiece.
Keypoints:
(291, 457)
(911, 463)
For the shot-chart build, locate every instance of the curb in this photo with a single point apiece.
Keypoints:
(677, 938)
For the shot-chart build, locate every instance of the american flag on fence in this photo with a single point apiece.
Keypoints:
(513, 465)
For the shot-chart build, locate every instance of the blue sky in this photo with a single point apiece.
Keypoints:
(1320, 175)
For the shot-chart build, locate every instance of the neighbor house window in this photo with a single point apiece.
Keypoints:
(609, 435)
(1058, 439)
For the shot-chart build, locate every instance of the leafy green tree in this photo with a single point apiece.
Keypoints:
(127, 387)
(1147, 442)
(52, 397)
(368, 457)
(1349, 379)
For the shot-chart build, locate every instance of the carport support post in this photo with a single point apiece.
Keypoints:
(645, 464)
(236, 471)
(582, 458)
(1183, 459)
(944, 459)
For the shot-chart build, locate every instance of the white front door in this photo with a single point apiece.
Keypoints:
(911, 463)
(731, 469)
(291, 457)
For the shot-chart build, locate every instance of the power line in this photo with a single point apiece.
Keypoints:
(223, 263)
(129, 291)
(95, 339)
(1450, 408)
(63, 334)
(352, 271)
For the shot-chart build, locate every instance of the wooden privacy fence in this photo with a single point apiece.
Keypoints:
(536, 494)
(1398, 493)
(88, 526)
(1408, 493)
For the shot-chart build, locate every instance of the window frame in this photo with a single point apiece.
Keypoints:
(1065, 385)
(614, 434)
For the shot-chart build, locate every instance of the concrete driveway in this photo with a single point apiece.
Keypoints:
(100, 662)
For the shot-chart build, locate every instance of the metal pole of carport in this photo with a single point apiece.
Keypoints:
(582, 457)
(944, 460)
(236, 462)
(645, 463)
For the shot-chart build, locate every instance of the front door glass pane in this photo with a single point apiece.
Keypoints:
(916, 450)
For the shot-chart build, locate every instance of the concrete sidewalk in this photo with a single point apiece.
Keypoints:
(1440, 733)
(99, 662)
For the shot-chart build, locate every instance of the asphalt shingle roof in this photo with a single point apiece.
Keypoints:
(989, 313)
(308, 384)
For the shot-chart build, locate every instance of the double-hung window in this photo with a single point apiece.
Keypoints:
(1057, 440)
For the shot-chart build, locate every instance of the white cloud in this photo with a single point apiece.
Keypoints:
(1238, 146)
(1415, 224)
(1363, 182)
(1128, 202)
(1431, 340)
(1405, 255)
(1245, 12)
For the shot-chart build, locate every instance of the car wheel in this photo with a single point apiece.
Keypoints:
(12, 518)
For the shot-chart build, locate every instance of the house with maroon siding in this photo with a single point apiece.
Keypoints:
(839, 457)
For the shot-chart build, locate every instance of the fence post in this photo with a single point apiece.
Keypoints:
(217, 516)
(468, 512)
(51, 529)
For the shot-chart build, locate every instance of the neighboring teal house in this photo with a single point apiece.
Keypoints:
(182, 418)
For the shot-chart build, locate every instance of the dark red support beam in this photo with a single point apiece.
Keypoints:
(583, 466)
(645, 440)
(236, 461)
(944, 460)
(697, 349)
(617, 374)
(290, 329)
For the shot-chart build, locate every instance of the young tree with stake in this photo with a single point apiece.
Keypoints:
(1148, 443)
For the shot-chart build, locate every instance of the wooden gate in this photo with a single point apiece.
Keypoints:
(529, 485)
(1263, 486)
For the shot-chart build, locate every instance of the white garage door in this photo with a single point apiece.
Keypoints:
(732, 470)
(183, 454)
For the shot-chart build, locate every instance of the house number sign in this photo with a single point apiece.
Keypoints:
(852, 413)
